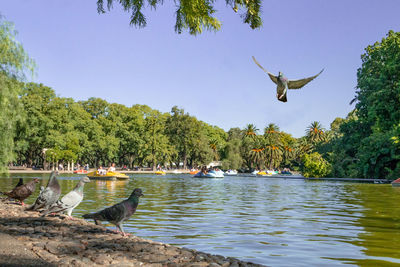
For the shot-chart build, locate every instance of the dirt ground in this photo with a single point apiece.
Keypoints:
(29, 240)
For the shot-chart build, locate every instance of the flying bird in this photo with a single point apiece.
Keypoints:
(118, 213)
(49, 195)
(284, 83)
(69, 201)
(23, 191)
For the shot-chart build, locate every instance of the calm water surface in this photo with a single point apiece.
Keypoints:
(276, 222)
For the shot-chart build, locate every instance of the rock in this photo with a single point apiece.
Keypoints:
(72, 247)
(186, 254)
(199, 264)
(52, 247)
(47, 256)
(101, 259)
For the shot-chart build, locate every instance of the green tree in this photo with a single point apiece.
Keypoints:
(194, 15)
(364, 146)
(232, 158)
(314, 165)
(14, 63)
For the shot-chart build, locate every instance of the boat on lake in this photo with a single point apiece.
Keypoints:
(80, 171)
(263, 173)
(231, 172)
(107, 176)
(210, 174)
(161, 172)
(396, 183)
(193, 171)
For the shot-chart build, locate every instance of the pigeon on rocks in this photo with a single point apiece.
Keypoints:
(20, 182)
(69, 201)
(118, 213)
(284, 83)
(23, 191)
(49, 195)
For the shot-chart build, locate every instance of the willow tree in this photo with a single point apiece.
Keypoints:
(191, 15)
(14, 62)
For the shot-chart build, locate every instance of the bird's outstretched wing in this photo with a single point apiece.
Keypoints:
(271, 76)
(297, 84)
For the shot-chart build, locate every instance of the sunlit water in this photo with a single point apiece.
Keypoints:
(276, 222)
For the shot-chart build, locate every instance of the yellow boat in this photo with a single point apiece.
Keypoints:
(160, 172)
(107, 176)
(263, 173)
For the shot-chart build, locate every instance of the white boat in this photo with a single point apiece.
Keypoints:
(210, 174)
(218, 173)
(231, 172)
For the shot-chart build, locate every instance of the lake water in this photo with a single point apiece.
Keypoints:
(276, 222)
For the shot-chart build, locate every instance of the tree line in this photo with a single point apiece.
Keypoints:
(39, 128)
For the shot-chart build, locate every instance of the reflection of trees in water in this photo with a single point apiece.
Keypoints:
(380, 221)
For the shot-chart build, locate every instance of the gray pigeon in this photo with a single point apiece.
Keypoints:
(49, 195)
(23, 191)
(69, 201)
(284, 83)
(118, 213)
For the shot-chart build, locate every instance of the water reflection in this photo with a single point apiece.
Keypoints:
(278, 222)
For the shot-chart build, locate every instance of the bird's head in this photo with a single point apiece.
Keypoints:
(137, 192)
(280, 74)
(85, 179)
(36, 180)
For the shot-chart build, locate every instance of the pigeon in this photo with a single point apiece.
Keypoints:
(118, 213)
(284, 83)
(49, 195)
(23, 191)
(69, 201)
(20, 182)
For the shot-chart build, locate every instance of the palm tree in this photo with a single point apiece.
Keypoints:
(272, 128)
(273, 155)
(257, 157)
(273, 147)
(288, 154)
(250, 130)
(315, 132)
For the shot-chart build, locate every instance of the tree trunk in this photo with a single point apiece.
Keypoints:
(184, 161)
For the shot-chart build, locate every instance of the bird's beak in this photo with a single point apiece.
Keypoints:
(141, 195)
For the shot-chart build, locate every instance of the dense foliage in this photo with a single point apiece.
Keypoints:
(365, 142)
(314, 165)
(193, 15)
(13, 64)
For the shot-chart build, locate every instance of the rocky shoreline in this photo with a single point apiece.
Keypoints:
(29, 240)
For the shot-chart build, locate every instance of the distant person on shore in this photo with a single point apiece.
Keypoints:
(112, 168)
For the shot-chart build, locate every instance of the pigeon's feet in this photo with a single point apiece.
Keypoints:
(71, 218)
(125, 234)
(22, 204)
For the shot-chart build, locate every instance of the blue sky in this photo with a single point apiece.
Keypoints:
(82, 54)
